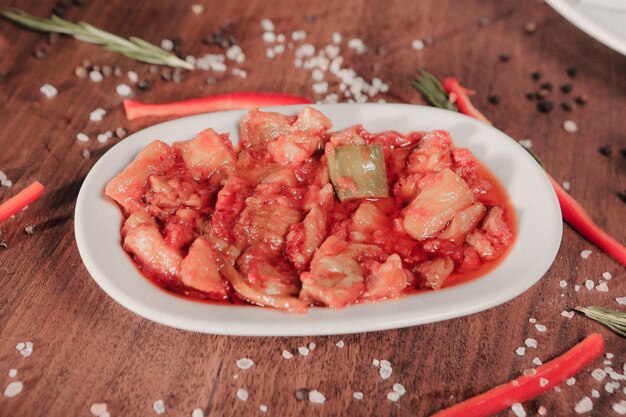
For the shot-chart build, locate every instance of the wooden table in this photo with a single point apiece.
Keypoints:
(88, 349)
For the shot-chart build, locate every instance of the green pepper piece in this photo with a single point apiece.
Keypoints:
(358, 171)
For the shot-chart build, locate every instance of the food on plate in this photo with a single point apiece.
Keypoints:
(300, 215)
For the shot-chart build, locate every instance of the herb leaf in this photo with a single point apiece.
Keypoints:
(432, 90)
(613, 319)
(134, 48)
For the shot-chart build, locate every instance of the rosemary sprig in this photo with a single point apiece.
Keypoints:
(613, 319)
(431, 88)
(134, 48)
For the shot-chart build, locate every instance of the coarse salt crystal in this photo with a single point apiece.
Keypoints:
(303, 350)
(267, 25)
(316, 397)
(557, 389)
(518, 409)
(263, 408)
(159, 407)
(607, 275)
(280, 38)
(95, 76)
(376, 362)
(358, 395)
(393, 396)
(529, 372)
(336, 37)
(540, 327)
(13, 389)
(287, 355)
(609, 355)
(542, 411)
(48, 90)
(317, 75)
(197, 413)
(589, 284)
(537, 361)
(340, 344)
(520, 351)
(621, 300)
(595, 393)
(385, 363)
(167, 44)
(598, 374)
(399, 388)
(543, 382)
(104, 137)
(530, 343)
(563, 283)
(570, 381)
(132, 77)
(269, 37)
(244, 363)
(12, 373)
(526, 143)
(568, 314)
(385, 372)
(532, 320)
(233, 52)
(584, 405)
(356, 44)
(320, 88)
(566, 185)
(610, 387)
(312, 346)
(620, 408)
(279, 49)
(20, 346)
(242, 394)
(6, 183)
(576, 288)
(3, 176)
(197, 9)
(585, 254)
(602, 287)
(298, 35)
(570, 126)
(81, 137)
(97, 409)
(238, 72)
(123, 90)
(269, 52)
(417, 44)
(27, 350)
(97, 114)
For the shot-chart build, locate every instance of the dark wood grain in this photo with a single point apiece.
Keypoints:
(89, 349)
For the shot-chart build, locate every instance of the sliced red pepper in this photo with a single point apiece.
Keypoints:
(231, 101)
(579, 219)
(22, 199)
(524, 388)
(459, 95)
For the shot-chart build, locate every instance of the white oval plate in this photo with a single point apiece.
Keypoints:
(98, 221)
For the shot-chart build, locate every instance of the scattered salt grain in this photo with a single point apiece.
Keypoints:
(158, 407)
(589, 284)
(621, 300)
(563, 283)
(197, 9)
(610, 387)
(298, 35)
(167, 44)
(609, 355)
(269, 52)
(542, 411)
(263, 408)
(269, 37)
(123, 90)
(97, 409)
(267, 25)
(526, 143)
(340, 344)
(48, 90)
(197, 413)
(13, 389)
(320, 88)
(104, 137)
(303, 350)
(540, 327)
(238, 72)
(584, 405)
(132, 77)
(280, 38)
(576, 288)
(242, 394)
(399, 388)
(620, 408)
(287, 355)
(358, 395)
(566, 185)
(417, 44)
(531, 343)
(244, 363)
(3, 176)
(316, 397)
(529, 372)
(570, 381)
(393, 396)
(585, 254)
(376, 362)
(356, 44)
(97, 114)
(6, 183)
(518, 410)
(568, 314)
(537, 361)
(607, 276)
(336, 38)
(598, 374)
(233, 52)
(26, 349)
(602, 287)
(595, 393)
(385, 372)
(312, 346)
(543, 382)
(95, 76)
(570, 126)
(12, 373)
(520, 351)
(532, 320)
(557, 389)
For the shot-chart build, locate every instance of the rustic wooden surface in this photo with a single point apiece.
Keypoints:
(88, 349)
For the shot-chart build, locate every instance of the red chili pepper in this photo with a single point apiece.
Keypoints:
(459, 95)
(22, 199)
(136, 109)
(524, 388)
(579, 219)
